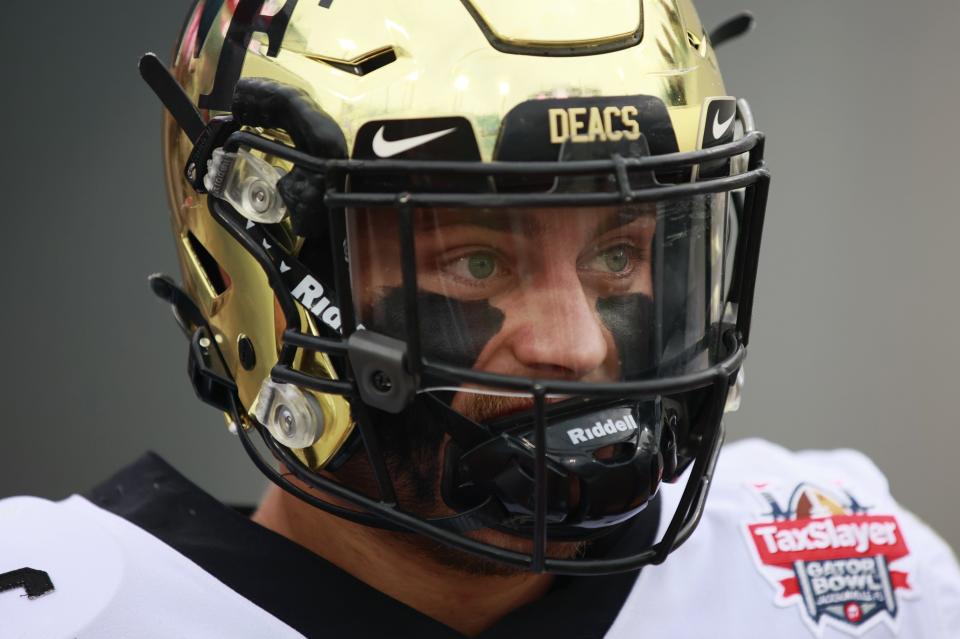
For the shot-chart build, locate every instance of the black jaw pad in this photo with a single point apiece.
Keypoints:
(264, 103)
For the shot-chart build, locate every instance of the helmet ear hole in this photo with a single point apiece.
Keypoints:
(215, 276)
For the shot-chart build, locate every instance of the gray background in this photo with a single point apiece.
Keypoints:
(855, 342)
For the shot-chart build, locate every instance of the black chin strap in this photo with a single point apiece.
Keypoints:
(173, 97)
(487, 514)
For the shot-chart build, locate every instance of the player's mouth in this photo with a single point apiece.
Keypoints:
(493, 409)
(499, 412)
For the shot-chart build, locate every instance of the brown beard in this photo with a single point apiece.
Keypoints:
(414, 459)
(482, 408)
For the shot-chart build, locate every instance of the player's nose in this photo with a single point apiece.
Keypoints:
(561, 333)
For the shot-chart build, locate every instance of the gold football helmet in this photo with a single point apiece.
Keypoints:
(522, 238)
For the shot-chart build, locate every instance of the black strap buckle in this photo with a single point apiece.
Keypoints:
(208, 374)
(213, 136)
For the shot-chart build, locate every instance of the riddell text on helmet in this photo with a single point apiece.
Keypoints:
(310, 293)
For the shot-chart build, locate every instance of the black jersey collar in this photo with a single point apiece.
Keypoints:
(283, 578)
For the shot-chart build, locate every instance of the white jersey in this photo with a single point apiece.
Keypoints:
(791, 546)
(795, 546)
(112, 580)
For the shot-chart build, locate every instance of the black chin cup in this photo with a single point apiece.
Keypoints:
(603, 467)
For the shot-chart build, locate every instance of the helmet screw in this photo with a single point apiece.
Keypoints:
(293, 417)
(286, 421)
(381, 381)
(259, 196)
(192, 171)
(248, 356)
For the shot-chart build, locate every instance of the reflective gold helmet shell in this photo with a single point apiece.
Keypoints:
(402, 66)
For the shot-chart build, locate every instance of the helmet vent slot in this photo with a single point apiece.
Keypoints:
(367, 63)
(698, 42)
(216, 277)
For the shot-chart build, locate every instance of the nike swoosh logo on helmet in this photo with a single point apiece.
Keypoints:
(388, 148)
(718, 128)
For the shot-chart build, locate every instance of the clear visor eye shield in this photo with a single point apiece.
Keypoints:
(574, 328)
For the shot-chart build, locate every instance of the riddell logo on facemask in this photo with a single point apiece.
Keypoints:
(602, 429)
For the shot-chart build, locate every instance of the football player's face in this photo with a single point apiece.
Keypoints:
(516, 292)
(538, 293)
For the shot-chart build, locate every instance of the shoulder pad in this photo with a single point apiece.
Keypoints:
(109, 579)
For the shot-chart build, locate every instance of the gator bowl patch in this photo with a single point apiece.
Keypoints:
(827, 554)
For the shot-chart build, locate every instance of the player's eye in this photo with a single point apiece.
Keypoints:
(617, 260)
(476, 266)
(480, 265)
